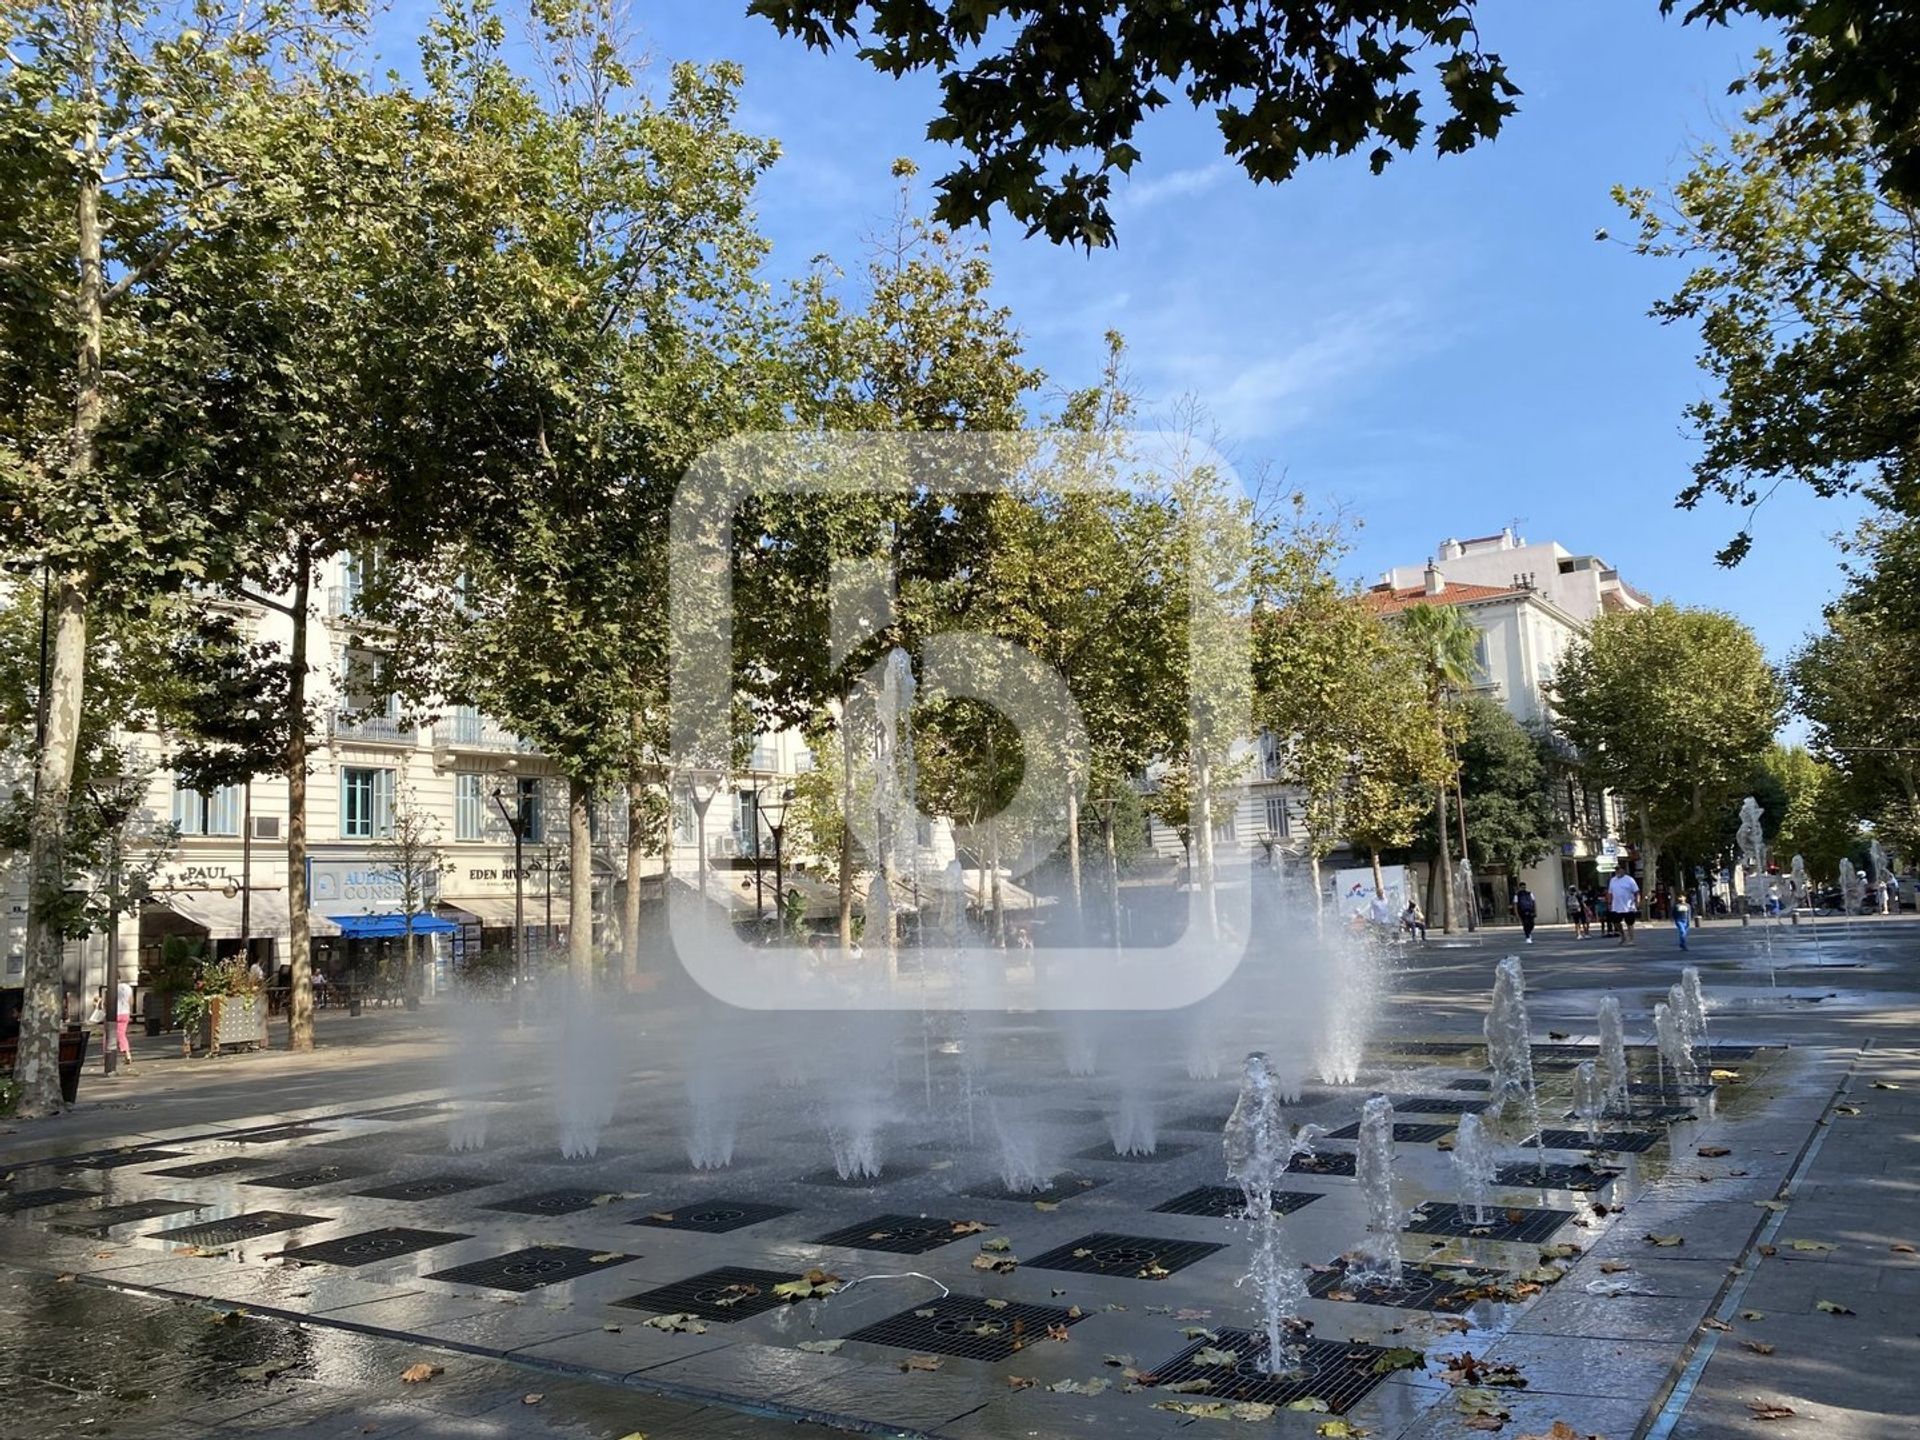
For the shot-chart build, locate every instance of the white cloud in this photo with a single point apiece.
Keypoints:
(1175, 185)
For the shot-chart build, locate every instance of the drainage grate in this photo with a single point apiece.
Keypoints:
(428, 1187)
(1432, 1047)
(722, 1296)
(1504, 1222)
(124, 1157)
(1553, 1177)
(12, 1203)
(895, 1234)
(1650, 1114)
(1414, 1134)
(235, 1228)
(1073, 1116)
(1470, 1083)
(208, 1169)
(433, 1109)
(307, 1179)
(1417, 1289)
(1434, 1105)
(548, 1202)
(968, 1327)
(1338, 1375)
(1670, 1087)
(99, 1222)
(713, 1217)
(1624, 1142)
(1137, 1257)
(1061, 1187)
(1218, 1202)
(1331, 1162)
(280, 1132)
(888, 1175)
(370, 1246)
(1155, 1156)
(1577, 1052)
(530, 1269)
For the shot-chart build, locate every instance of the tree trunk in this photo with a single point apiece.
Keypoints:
(999, 927)
(1203, 840)
(1113, 876)
(299, 942)
(579, 882)
(636, 861)
(1073, 855)
(1650, 852)
(37, 1061)
(1379, 880)
(1444, 864)
(846, 830)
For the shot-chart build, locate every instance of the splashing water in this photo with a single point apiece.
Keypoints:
(1589, 1097)
(1348, 974)
(1613, 1054)
(1510, 1049)
(1801, 888)
(1257, 1149)
(1377, 1257)
(472, 1061)
(1671, 1043)
(1693, 1009)
(1473, 1164)
(586, 1079)
(1853, 891)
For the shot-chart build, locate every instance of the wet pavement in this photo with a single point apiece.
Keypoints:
(276, 1258)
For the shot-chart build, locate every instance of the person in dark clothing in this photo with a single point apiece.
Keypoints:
(1528, 909)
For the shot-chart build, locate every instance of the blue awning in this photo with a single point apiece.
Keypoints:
(391, 926)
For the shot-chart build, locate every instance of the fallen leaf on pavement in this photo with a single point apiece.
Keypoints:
(1846, 1109)
(1046, 1207)
(1560, 1431)
(533, 1399)
(1614, 1267)
(821, 1347)
(1711, 1324)
(681, 1324)
(999, 1244)
(1020, 1382)
(922, 1362)
(1080, 1387)
(1753, 1314)
(1666, 1240)
(1831, 1307)
(1712, 1152)
(1759, 1347)
(1769, 1410)
(1900, 1247)
(1810, 1245)
(605, 1257)
(1885, 1085)
(1339, 1430)
(418, 1374)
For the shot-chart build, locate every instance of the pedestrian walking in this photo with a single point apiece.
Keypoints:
(1623, 903)
(1528, 909)
(123, 993)
(1682, 916)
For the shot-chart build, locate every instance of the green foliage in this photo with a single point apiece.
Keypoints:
(1506, 774)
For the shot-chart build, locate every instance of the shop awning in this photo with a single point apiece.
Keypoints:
(392, 925)
(496, 911)
(219, 914)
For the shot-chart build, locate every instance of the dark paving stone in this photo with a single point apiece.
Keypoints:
(1340, 1375)
(1515, 1223)
(1155, 1156)
(548, 1202)
(1529, 1176)
(427, 1187)
(1329, 1162)
(965, 1326)
(896, 1234)
(1068, 1115)
(124, 1157)
(99, 1222)
(1431, 1047)
(12, 1202)
(1412, 1134)
(280, 1132)
(235, 1228)
(1435, 1105)
(1135, 1257)
(887, 1176)
(531, 1268)
(1060, 1188)
(431, 1110)
(713, 1217)
(1418, 1288)
(724, 1295)
(1471, 1082)
(1621, 1142)
(210, 1169)
(309, 1178)
(1220, 1201)
(370, 1246)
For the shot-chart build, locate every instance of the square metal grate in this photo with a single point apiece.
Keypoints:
(1515, 1223)
(309, 1178)
(1623, 1142)
(124, 1157)
(530, 1269)
(1160, 1153)
(1217, 1202)
(1528, 1176)
(1648, 1114)
(1328, 1162)
(1056, 1190)
(713, 1217)
(1071, 1115)
(548, 1202)
(209, 1169)
(1433, 1047)
(1471, 1082)
(1418, 1289)
(370, 1246)
(235, 1228)
(1134, 1257)
(99, 1222)
(967, 1327)
(427, 1187)
(895, 1234)
(431, 1110)
(1338, 1375)
(1437, 1105)
(722, 1296)
(281, 1132)
(12, 1202)
(889, 1175)
(1409, 1134)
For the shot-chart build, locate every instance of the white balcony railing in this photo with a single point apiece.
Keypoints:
(477, 732)
(372, 725)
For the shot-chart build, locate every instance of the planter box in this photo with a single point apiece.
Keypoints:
(235, 1020)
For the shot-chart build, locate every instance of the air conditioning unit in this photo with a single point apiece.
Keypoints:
(266, 827)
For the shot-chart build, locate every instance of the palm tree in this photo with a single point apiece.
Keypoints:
(1446, 644)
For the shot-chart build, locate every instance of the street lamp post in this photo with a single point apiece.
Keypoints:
(702, 786)
(1103, 807)
(774, 811)
(517, 822)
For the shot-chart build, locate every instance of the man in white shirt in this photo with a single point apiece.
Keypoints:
(1623, 899)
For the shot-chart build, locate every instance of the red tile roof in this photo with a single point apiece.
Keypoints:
(1386, 600)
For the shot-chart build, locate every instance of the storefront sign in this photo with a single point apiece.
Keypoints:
(365, 887)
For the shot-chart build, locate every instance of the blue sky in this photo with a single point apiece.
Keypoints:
(1441, 350)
